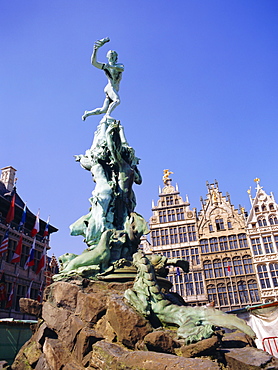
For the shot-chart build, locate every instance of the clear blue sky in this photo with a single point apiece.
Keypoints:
(199, 96)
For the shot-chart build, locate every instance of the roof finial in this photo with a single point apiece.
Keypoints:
(165, 178)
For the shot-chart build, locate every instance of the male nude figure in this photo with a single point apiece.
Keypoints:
(113, 71)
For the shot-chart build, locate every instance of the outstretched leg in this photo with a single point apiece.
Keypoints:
(96, 111)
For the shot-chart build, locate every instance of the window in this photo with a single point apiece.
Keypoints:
(162, 216)
(195, 256)
(210, 228)
(20, 293)
(247, 263)
(242, 241)
(218, 269)
(262, 222)
(273, 220)
(271, 207)
(182, 234)
(222, 295)
(268, 244)
(208, 270)
(243, 294)
(257, 210)
(169, 201)
(253, 291)
(199, 285)
(223, 243)
(233, 293)
(219, 224)
(233, 242)
(180, 214)
(191, 233)
(227, 263)
(171, 215)
(213, 243)
(212, 296)
(263, 208)
(256, 246)
(274, 273)
(263, 276)
(237, 264)
(204, 245)
(189, 288)
(229, 224)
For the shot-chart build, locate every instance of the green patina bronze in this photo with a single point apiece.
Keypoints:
(194, 323)
(112, 229)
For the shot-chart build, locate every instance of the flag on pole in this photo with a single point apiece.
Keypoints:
(18, 250)
(36, 227)
(3, 291)
(45, 233)
(5, 242)
(10, 299)
(39, 298)
(10, 215)
(23, 218)
(30, 260)
(229, 270)
(28, 294)
(42, 262)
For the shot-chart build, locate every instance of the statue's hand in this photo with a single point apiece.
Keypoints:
(101, 42)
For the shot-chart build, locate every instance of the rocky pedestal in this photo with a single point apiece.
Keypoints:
(88, 325)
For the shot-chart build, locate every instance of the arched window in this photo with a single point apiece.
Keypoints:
(243, 293)
(262, 222)
(222, 295)
(233, 293)
(274, 273)
(204, 246)
(218, 269)
(273, 220)
(263, 208)
(238, 268)
(263, 276)
(253, 291)
(213, 243)
(271, 207)
(208, 269)
(257, 210)
(212, 296)
(227, 263)
(247, 263)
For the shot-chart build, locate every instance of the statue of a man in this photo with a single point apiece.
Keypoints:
(113, 71)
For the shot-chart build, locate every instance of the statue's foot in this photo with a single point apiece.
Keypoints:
(85, 115)
(77, 157)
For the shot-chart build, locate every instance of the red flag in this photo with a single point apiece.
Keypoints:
(36, 227)
(18, 250)
(229, 271)
(10, 299)
(45, 233)
(10, 215)
(42, 262)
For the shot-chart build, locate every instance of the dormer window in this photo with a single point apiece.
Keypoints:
(219, 224)
(257, 210)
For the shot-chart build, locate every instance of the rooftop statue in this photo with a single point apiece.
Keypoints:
(113, 71)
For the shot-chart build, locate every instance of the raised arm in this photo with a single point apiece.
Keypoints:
(97, 45)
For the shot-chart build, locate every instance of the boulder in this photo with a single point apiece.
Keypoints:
(30, 306)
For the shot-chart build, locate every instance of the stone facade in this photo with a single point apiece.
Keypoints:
(262, 233)
(174, 233)
(13, 275)
(216, 242)
(230, 279)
